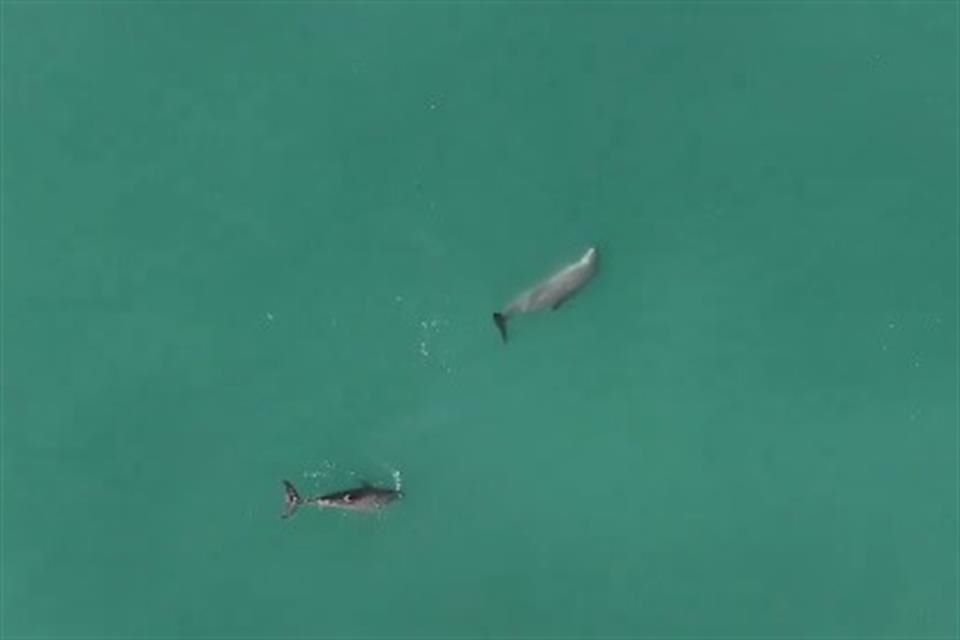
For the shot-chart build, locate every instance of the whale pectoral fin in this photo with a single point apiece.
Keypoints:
(558, 304)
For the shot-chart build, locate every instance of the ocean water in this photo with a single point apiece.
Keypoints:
(246, 242)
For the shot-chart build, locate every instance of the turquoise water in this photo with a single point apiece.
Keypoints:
(247, 242)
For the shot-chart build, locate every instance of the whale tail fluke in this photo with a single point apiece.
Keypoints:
(291, 500)
(501, 321)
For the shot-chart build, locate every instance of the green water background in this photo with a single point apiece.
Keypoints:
(245, 242)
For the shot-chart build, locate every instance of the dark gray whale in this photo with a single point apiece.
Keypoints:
(365, 498)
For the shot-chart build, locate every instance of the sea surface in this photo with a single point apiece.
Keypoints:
(244, 242)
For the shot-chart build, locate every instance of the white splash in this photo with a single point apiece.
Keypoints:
(325, 470)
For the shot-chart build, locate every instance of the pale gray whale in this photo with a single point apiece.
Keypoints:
(553, 292)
